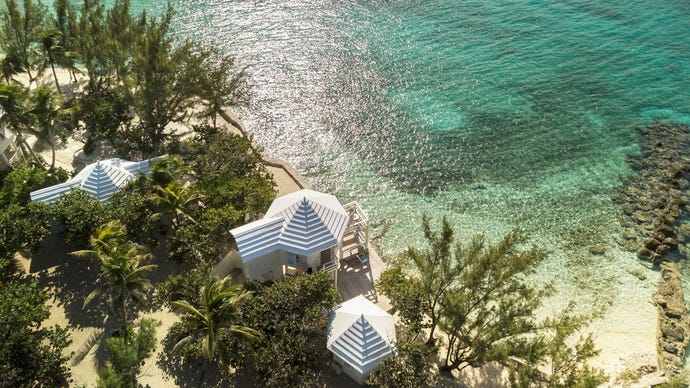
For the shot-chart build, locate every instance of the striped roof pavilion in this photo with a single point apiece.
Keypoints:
(304, 222)
(100, 180)
(361, 333)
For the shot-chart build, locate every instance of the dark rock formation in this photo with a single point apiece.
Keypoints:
(674, 324)
(654, 202)
(655, 210)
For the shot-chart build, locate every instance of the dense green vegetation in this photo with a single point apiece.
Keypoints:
(31, 354)
(140, 79)
(24, 224)
(214, 317)
(275, 332)
(477, 294)
(126, 353)
(411, 367)
(290, 315)
(123, 278)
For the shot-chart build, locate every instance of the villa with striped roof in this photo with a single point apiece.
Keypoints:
(360, 336)
(301, 232)
(100, 180)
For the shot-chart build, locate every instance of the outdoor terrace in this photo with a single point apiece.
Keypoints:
(357, 277)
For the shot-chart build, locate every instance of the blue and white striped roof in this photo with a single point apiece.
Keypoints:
(361, 333)
(258, 238)
(100, 180)
(304, 222)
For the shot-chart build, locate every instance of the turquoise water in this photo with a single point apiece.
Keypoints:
(496, 114)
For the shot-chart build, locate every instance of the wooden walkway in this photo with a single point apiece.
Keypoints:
(355, 278)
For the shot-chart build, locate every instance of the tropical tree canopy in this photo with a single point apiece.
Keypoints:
(213, 319)
(477, 295)
(122, 275)
(31, 354)
(218, 311)
(291, 316)
(126, 354)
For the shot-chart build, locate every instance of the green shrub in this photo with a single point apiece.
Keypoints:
(22, 180)
(80, 214)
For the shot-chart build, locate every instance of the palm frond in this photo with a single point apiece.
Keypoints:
(246, 332)
(89, 298)
(181, 343)
(188, 309)
(139, 271)
(140, 298)
(85, 254)
(89, 344)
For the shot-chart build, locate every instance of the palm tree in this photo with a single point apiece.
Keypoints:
(167, 170)
(46, 107)
(218, 312)
(52, 51)
(123, 276)
(65, 23)
(20, 29)
(10, 65)
(17, 116)
(175, 199)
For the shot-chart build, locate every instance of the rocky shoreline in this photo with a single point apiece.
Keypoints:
(656, 208)
(672, 334)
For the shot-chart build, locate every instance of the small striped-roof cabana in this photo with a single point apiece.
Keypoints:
(303, 222)
(100, 180)
(361, 333)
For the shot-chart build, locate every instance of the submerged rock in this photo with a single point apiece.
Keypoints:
(644, 253)
(640, 217)
(652, 244)
(597, 250)
(670, 242)
(638, 273)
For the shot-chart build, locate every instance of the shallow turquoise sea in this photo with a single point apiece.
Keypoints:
(496, 114)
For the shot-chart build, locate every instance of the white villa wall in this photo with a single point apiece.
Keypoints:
(255, 269)
(230, 262)
(350, 371)
(314, 260)
(4, 145)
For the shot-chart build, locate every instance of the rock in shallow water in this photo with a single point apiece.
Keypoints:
(652, 244)
(597, 250)
(670, 242)
(644, 253)
(638, 273)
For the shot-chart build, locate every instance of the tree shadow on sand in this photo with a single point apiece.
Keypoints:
(187, 373)
(70, 280)
(95, 344)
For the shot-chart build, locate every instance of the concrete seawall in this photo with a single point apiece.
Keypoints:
(287, 179)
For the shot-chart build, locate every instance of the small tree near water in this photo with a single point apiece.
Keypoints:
(489, 312)
(477, 295)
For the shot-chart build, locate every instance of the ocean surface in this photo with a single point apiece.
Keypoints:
(496, 114)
